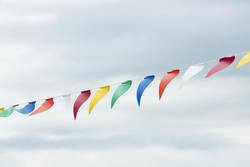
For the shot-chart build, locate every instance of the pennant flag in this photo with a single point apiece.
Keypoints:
(27, 109)
(1, 109)
(143, 85)
(223, 63)
(100, 93)
(44, 107)
(244, 60)
(8, 111)
(82, 98)
(66, 103)
(67, 99)
(166, 80)
(192, 71)
(123, 88)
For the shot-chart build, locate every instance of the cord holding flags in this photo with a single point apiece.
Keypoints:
(191, 71)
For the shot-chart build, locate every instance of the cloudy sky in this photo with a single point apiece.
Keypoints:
(52, 47)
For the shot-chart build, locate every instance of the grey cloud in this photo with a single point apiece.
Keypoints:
(25, 143)
(51, 47)
(188, 126)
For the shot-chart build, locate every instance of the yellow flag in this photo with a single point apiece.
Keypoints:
(99, 94)
(244, 60)
(1, 109)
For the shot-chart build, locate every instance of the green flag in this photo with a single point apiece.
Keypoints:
(123, 88)
(8, 111)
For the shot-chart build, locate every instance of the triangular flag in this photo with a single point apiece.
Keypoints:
(166, 80)
(192, 71)
(44, 107)
(66, 103)
(123, 88)
(142, 86)
(244, 60)
(8, 112)
(82, 98)
(27, 109)
(223, 63)
(99, 94)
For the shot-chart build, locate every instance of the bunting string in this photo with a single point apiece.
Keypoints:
(101, 92)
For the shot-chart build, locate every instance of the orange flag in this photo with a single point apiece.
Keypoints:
(44, 107)
(166, 80)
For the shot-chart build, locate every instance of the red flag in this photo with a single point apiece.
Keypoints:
(223, 63)
(166, 80)
(44, 107)
(82, 98)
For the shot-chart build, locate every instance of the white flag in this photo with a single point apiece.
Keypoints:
(66, 103)
(192, 71)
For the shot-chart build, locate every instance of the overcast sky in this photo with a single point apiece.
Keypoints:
(52, 47)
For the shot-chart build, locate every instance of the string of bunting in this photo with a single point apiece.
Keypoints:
(31, 109)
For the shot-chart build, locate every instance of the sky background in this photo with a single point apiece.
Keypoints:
(52, 47)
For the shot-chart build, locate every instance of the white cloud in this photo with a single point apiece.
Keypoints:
(56, 3)
(53, 47)
(13, 18)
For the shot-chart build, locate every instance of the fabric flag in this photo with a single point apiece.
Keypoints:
(44, 107)
(223, 63)
(66, 99)
(82, 98)
(123, 88)
(8, 111)
(99, 94)
(1, 109)
(143, 85)
(27, 109)
(192, 71)
(244, 60)
(166, 80)
(66, 103)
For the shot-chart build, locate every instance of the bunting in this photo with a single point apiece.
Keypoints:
(27, 109)
(66, 100)
(166, 80)
(244, 60)
(100, 93)
(82, 98)
(44, 107)
(123, 88)
(143, 85)
(223, 63)
(8, 112)
(30, 107)
(192, 71)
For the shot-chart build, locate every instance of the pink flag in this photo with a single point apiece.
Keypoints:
(223, 63)
(44, 107)
(166, 80)
(82, 98)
